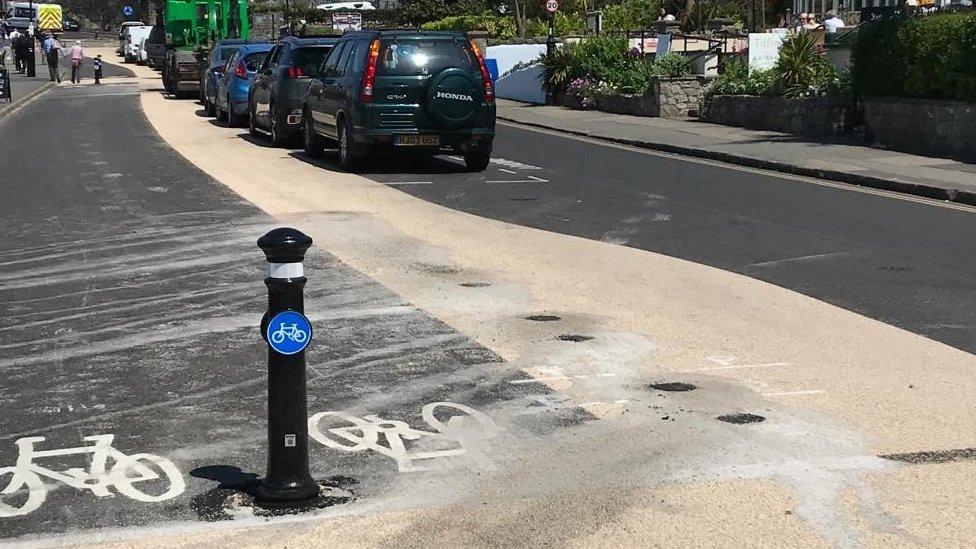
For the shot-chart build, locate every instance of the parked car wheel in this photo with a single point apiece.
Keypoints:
(314, 144)
(277, 138)
(252, 127)
(477, 161)
(221, 113)
(234, 120)
(208, 107)
(349, 156)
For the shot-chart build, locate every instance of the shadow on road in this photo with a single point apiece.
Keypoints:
(386, 163)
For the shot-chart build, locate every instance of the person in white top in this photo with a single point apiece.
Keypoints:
(832, 22)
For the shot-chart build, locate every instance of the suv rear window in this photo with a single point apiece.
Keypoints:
(420, 57)
(254, 60)
(225, 52)
(310, 57)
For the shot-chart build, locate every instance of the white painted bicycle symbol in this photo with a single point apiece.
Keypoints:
(291, 331)
(126, 471)
(464, 429)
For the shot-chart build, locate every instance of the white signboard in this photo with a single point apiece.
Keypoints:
(347, 21)
(764, 50)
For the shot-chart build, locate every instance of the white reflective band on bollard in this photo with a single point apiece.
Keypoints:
(286, 270)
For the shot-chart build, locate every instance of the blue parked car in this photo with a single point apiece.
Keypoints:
(213, 68)
(235, 84)
(281, 83)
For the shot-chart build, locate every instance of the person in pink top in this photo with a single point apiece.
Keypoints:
(77, 55)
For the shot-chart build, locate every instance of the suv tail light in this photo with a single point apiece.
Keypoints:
(369, 77)
(296, 72)
(240, 71)
(485, 75)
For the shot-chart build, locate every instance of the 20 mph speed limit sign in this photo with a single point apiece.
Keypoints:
(552, 6)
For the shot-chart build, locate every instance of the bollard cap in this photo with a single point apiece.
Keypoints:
(285, 245)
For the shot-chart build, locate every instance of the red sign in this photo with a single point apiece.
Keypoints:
(552, 6)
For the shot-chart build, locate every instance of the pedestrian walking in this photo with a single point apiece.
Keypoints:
(21, 51)
(15, 49)
(77, 56)
(52, 49)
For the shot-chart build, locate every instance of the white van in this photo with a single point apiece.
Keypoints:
(20, 14)
(122, 34)
(133, 37)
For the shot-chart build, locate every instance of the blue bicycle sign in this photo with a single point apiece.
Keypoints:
(289, 332)
(128, 10)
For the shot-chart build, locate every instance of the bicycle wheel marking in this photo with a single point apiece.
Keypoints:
(458, 430)
(134, 476)
(288, 332)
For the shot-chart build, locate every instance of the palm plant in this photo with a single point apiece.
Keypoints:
(796, 68)
(558, 69)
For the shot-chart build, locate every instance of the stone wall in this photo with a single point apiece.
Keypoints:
(809, 116)
(934, 128)
(677, 97)
(665, 97)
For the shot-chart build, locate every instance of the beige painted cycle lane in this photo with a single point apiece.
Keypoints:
(837, 389)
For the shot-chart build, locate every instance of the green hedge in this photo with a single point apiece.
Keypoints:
(932, 57)
(495, 26)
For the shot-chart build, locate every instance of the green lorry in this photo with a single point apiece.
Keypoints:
(191, 28)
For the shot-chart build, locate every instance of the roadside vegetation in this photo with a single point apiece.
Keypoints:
(605, 65)
(802, 70)
(931, 57)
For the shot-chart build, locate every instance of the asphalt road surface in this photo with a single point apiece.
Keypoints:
(903, 261)
(132, 290)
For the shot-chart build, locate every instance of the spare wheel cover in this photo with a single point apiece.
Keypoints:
(453, 97)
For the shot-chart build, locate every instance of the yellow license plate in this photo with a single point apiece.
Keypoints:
(417, 140)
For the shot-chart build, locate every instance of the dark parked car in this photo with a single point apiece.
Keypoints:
(281, 83)
(69, 24)
(420, 92)
(213, 69)
(234, 85)
(155, 47)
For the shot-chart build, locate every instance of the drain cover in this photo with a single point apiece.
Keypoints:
(574, 338)
(674, 386)
(543, 318)
(741, 418)
(475, 284)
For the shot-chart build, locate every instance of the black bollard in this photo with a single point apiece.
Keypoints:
(287, 332)
(97, 69)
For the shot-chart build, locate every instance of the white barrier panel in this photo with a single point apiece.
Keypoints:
(522, 85)
(511, 55)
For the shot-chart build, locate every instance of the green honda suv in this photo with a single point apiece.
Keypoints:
(419, 92)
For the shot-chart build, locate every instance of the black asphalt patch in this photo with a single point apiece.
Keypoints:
(673, 386)
(741, 418)
(934, 456)
(132, 291)
(575, 338)
(543, 318)
(850, 249)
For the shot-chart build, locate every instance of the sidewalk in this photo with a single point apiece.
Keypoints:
(850, 163)
(23, 88)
